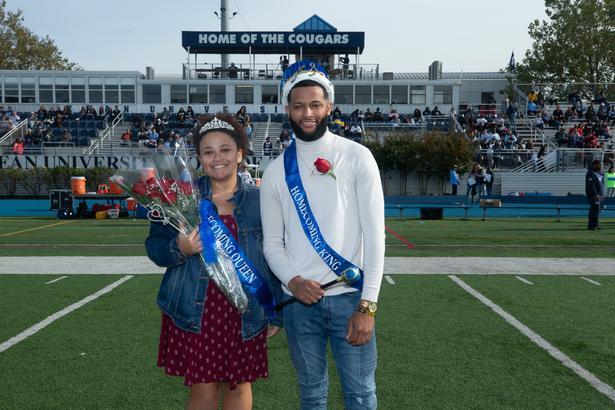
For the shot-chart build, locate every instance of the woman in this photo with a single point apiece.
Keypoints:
(203, 338)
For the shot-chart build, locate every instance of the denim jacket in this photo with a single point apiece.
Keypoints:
(183, 289)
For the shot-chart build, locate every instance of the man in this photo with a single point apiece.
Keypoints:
(339, 179)
(454, 179)
(594, 191)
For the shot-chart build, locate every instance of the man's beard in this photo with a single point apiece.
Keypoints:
(320, 130)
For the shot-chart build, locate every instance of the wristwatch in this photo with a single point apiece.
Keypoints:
(367, 307)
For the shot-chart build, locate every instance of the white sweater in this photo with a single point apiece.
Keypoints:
(349, 211)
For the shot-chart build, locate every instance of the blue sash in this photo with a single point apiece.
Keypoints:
(330, 257)
(212, 228)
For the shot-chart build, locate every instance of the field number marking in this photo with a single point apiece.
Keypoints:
(46, 322)
(598, 384)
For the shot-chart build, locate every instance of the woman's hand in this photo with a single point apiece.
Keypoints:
(190, 244)
(272, 331)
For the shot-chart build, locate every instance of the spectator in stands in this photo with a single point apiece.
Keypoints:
(41, 114)
(190, 113)
(454, 180)
(426, 111)
(473, 182)
(488, 178)
(249, 129)
(510, 139)
(532, 108)
(378, 116)
(345, 61)
(58, 121)
(394, 116)
(610, 180)
(511, 112)
(558, 115)
(66, 138)
(283, 63)
(417, 115)
(232, 71)
(126, 136)
(245, 175)
(18, 147)
(436, 111)
(594, 192)
(355, 131)
(267, 147)
(368, 115)
(337, 113)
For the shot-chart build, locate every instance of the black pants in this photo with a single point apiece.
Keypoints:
(454, 189)
(594, 210)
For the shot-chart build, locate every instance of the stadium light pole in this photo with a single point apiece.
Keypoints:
(224, 18)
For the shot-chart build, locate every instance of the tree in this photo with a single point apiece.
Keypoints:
(575, 45)
(23, 50)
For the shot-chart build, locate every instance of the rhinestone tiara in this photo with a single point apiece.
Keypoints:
(216, 124)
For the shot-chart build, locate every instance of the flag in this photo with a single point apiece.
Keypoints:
(511, 63)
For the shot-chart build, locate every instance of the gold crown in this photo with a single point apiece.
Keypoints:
(216, 124)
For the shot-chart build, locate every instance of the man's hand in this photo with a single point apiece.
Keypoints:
(189, 244)
(305, 291)
(272, 330)
(360, 329)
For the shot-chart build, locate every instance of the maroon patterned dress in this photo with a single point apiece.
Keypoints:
(219, 353)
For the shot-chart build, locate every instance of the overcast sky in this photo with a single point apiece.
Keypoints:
(400, 35)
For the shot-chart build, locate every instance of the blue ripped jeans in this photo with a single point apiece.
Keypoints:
(307, 329)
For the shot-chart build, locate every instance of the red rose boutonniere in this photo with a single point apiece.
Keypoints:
(324, 167)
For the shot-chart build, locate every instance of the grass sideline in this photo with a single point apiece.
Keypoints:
(523, 237)
(438, 346)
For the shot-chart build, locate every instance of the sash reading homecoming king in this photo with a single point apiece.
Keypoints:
(337, 263)
(251, 279)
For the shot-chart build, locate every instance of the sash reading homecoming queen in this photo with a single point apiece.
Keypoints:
(251, 279)
(330, 257)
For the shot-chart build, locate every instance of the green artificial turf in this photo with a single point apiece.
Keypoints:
(511, 237)
(526, 237)
(438, 347)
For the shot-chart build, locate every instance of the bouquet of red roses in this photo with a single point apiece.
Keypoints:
(169, 191)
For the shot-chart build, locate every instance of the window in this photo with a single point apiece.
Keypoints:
(28, 94)
(128, 93)
(62, 94)
(77, 90)
(217, 94)
(381, 94)
(487, 98)
(270, 94)
(417, 94)
(343, 94)
(197, 94)
(244, 94)
(151, 94)
(112, 94)
(96, 91)
(399, 94)
(443, 94)
(11, 90)
(178, 94)
(363, 94)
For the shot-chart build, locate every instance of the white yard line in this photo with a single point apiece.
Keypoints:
(598, 384)
(593, 282)
(389, 279)
(524, 280)
(56, 280)
(41, 325)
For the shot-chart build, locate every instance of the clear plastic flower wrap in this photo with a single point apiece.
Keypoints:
(168, 189)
